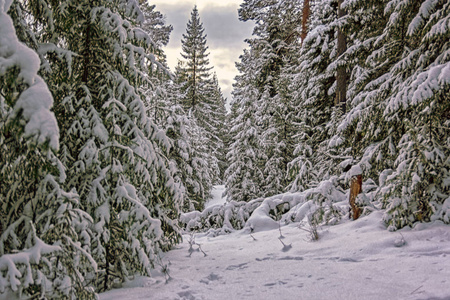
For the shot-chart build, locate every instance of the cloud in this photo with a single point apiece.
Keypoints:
(224, 28)
(225, 58)
(221, 24)
(178, 16)
(225, 34)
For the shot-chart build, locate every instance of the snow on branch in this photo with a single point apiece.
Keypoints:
(5, 4)
(420, 87)
(425, 11)
(17, 267)
(35, 101)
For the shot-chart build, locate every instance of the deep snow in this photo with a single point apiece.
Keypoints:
(352, 260)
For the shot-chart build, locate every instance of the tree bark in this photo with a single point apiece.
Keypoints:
(341, 76)
(305, 18)
(355, 189)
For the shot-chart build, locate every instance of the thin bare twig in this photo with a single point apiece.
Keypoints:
(417, 289)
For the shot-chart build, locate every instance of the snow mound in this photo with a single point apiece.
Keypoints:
(266, 213)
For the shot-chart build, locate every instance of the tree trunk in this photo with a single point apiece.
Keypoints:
(86, 54)
(305, 18)
(341, 76)
(194, 84)
(355, 189)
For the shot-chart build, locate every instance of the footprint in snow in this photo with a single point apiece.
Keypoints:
(348, 259)
(262, 259)
(211, 277)
(276, 283)
(291, 258)
(240, 267)
(187, 295)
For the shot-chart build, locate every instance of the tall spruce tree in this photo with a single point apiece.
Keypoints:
(186, 142)
(244, 175)
(389, 114)
(202, 97)
(275, 41)
(164, 108)
(282, 40)
(195, 72)
(114, 153)
(401, 88)
(218, 125)
(41, 225)
(313, 86)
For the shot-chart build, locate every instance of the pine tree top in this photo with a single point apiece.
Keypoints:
(193, 43)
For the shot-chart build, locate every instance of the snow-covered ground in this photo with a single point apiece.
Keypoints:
(352, 260)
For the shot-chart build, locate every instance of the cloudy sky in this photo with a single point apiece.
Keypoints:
(225, 33)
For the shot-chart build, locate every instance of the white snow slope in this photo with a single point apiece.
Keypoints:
(352, 260)
(216, 193)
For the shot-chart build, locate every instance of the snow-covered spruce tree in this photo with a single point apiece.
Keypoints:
(274, 42)
(189, 167)
(186, 142)
(218, 121)
(157, 98)
(116, 156)
(155, 25)
(278, 113)
(195, 70)
(41, 225)
(287, 125)
(164, 106)
(312, 86)
(244, 175)
(395, 121)
(201, 94)
(330, 154)
(419, 189)
(199, 178)
(367, 67)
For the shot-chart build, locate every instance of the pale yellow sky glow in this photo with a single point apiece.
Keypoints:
(225, 34)
(200, 3)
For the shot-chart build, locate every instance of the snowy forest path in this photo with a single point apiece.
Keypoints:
(236, 266)
(217, 196)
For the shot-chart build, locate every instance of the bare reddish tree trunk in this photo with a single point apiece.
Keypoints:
(341, 76)
(355, 189)
(305, 18)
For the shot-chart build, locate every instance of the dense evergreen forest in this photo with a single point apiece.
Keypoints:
(106, 155)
